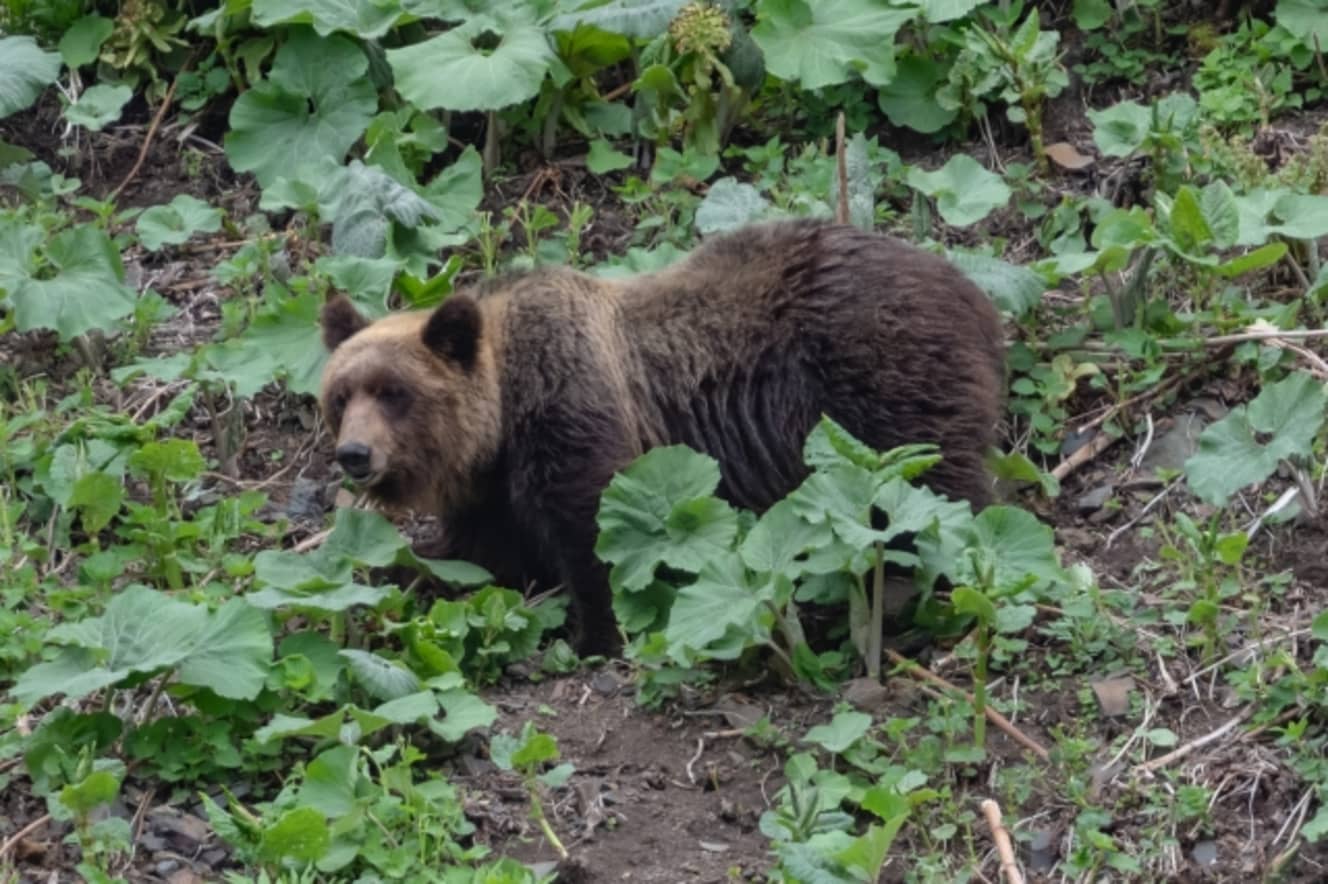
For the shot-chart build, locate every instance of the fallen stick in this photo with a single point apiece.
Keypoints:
(152, 131)
(23, 833)
(1192, 746)
(1083, 454)
(841, 167)
(1004, 849)
(996, 718)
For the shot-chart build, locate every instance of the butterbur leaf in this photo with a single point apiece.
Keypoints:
(463, 712)
(144, 632)
(479, 65)
(1218, 206)
(965, 193)
(315, 103)
(910, 98)
(301, 835)
(98, 105)
(81, 44)
(1018, 549)
(842, 731)
(25, 70)
(827, 42)
(1119, 130)
(98, 497)
(177, 221)
(366, 19)
(655, 512)
(723, 597)
(72, 285)
(1014, 289)
(730, 204)
(379, 676)
(631, 18)
(366, 537)
(1246, 446)
(602, 158)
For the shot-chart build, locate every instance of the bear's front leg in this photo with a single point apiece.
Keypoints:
(568, 458)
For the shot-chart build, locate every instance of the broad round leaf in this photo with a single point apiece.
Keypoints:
(25, 70)
(457, 71)
(965, 193)
(316, 103)
(829, 41)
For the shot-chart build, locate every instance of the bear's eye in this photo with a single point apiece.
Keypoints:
(338, 405)
(393, 395)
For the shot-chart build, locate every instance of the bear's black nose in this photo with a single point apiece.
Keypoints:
(354, 459)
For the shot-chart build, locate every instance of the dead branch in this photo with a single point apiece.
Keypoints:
(996, 718)
(151, 133)
(1192, 746)
(1083, 454)
(841, 165)
(1004, 849)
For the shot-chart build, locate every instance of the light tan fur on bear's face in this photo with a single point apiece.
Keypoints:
(430, 424)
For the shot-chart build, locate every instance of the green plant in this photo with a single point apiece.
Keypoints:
(527, 754)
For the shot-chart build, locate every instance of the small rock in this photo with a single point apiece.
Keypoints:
(1205, 853)
(605, 683)
(1094, 500)
(1113, 695)
(866, 694)
(151, 842)
(184, 876)
(166, 866)
(306, 500)
(714, 846)
(1073, 441)
(1042, 850)
(213, 857)
(1171, 449)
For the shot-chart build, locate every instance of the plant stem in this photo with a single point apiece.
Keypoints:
(537, 811)
(877, 614)
(982, 638)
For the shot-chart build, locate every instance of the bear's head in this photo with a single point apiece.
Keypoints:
(413, 400)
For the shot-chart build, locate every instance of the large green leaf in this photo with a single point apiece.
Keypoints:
(143, 632)
(661, 510)
(315, 103)
(730, 204)
(965, 193)
(1120, 129)
(25, 70)
(1280, 212)
(1015, 289)
(99, 106)
(1246, 446)
(1306, 19)
(909, 99)
(457, 70)
(366, 19)
(631, 18)
(829, 41)
(73, 285)
(175, 222)
(723, 598)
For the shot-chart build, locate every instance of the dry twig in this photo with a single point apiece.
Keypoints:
(152, 131)
(841, 165)
(996, 718)
(1192, 746)
(1004, 849)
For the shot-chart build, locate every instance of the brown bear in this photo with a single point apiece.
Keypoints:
(507, 412)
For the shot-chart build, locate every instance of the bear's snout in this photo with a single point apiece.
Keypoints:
(355, 459)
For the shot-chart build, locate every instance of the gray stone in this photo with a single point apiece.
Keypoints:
(1171, 449)
(1205, 853)
(1094, 500)
(1042, 850)
(306, 501)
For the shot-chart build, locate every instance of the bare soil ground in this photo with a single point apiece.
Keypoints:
(674, 795)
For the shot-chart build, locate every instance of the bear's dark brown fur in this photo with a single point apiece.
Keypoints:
(508, 414)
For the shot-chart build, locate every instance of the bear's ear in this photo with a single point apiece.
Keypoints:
(340, 320)
(453, 331)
